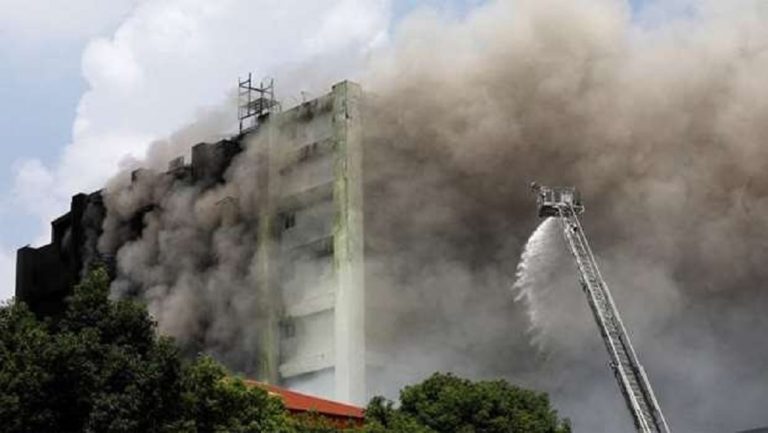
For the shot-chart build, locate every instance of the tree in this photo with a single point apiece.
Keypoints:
(445, 403)
(100, 367)
(213, 401)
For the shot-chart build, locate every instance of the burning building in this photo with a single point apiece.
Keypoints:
(255, 251)
(660, 127)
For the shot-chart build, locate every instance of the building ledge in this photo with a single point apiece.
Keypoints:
(307, 197)
(307, 364)
(323, 301)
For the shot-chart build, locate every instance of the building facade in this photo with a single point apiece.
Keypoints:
(310, 251)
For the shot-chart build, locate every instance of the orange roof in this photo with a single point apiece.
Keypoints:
(297, 402)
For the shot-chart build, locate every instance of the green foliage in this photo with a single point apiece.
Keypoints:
(223, 404)
(445, 403)
(101, 368)
(382, 417)
(312, 422)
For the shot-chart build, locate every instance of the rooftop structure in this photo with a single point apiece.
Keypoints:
(254, 103)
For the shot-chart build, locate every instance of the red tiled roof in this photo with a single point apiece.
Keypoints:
(298, 402)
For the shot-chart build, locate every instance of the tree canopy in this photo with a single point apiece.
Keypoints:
(100, 367)
(445, 403)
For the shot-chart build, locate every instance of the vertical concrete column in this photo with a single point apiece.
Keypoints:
(349, 314)
(266, 139)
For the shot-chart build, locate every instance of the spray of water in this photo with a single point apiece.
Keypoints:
(534, 286)
(535, 261)
(561, 328)
(547, 289)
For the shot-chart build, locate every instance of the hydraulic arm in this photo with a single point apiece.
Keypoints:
(564, 204)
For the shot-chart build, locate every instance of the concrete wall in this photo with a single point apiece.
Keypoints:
(311, 249)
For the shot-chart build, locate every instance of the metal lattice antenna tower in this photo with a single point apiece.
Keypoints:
(564, 203)
(255, 102)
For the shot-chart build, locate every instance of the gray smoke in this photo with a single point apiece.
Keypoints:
(660, 124)
(194, 261)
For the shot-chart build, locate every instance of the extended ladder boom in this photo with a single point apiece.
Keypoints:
(634, 384)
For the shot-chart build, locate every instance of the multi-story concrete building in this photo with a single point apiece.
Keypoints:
(313, 261)
(311, 241)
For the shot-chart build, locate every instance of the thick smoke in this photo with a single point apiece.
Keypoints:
(660, 124)
(195, 259)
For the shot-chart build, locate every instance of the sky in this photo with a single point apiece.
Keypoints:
(87, 86)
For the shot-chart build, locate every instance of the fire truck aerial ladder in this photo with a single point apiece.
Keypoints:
(564, 203)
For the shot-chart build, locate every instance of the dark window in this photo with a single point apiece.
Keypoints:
(288, 329)
(304, 153)
(289, 220)
(324, 247)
